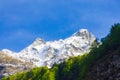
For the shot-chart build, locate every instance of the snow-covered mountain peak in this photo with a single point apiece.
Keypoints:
(38, 41)
(81, 32)
(42, 53)
(9, 52)
(84, 34)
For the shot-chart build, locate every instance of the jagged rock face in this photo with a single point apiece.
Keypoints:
(10, 65)
(42, 53)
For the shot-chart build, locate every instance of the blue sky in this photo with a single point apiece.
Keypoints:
(21, 21)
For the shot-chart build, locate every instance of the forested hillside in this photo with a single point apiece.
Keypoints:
(80, 68)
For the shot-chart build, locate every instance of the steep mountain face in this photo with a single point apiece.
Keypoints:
(102, 62)
(107, 65)
(106, 68)
(10, 65)
(41, 53)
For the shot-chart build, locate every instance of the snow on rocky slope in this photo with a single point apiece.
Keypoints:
(42, 53)
(10, 65)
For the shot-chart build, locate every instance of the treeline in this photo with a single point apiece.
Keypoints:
(75, 68)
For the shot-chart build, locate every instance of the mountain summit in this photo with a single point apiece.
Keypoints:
(38, 41)
(81, 32)
(102, 61)
(42, 53)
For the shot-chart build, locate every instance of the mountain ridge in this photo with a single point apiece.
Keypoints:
(43, 53)
(101, 63)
